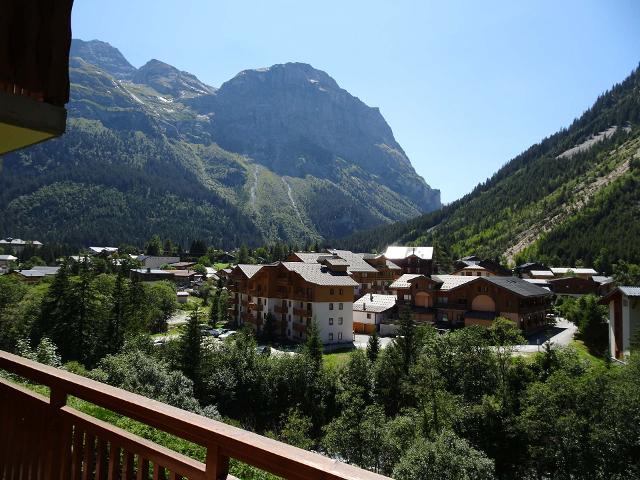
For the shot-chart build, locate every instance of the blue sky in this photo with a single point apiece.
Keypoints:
(465, 86)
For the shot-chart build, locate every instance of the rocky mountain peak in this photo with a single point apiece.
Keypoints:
(168, 80)
(104, 56)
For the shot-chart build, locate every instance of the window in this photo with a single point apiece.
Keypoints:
(330, 321)
(331, 337)
(331, 292)
(289, 303)
(308, 307)
(339, 306)
(339, 335)
(445, 317)
(368, 315)
(264, 315)
(407, 297)
(331, 306)
(340, 320)
(364, 274)
(288, 333)
(289, 317)
(340, 291)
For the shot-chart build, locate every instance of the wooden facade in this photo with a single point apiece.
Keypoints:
(476, 302)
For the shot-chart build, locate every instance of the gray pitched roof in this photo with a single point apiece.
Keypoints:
(249, 270)
(630, 291)
(320, 275)
(405, 280)
(452, 281)
(392, 265)
(356, 261)
(518, 286)
(312, 257)
(602, 280)
(46, 270)
(374, 303)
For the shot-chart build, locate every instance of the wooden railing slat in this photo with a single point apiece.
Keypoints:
(158, 472)
(129, 442)
(76, 455)
(143, 469)
(101, 459)
(127, 466)
(87, 463)
(114, 462)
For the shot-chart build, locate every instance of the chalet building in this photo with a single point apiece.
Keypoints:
(573, 286)
(6, 262)
(585, 273)
(371, 311)
(624, 319)
(524, 270)
(182, 265)
(155, 262)
(103, 251)
(295, 294)
(607, 284)
(17, 245)
(539, 275)
(465, 300)
(151, 274)
(473, 266)
(412, 259)
(373, 273)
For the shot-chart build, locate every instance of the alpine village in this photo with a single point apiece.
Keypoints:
(253, 282)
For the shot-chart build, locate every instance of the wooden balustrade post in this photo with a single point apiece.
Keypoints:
(58, 436)
(217, 465)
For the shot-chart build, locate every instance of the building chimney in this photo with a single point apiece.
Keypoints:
(371, 297)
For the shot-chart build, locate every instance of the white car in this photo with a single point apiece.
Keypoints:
(224, 335)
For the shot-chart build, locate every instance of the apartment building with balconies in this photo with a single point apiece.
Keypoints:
(295, 294)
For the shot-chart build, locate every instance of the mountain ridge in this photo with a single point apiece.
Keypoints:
(263, 152)
(532, 206)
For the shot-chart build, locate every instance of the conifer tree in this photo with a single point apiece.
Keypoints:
(190, 348)
(373, 346)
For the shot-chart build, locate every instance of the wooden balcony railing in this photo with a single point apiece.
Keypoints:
(43, 438)
(301, 312)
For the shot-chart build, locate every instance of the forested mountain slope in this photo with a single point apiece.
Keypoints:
(155, 150)
(574, 197)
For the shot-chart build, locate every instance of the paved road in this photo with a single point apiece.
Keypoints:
(559, 336)
(361, 341)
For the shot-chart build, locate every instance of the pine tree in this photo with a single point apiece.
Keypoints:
(213, 313)
(190, 349)
(373, 346)
(223, 307)
(116, 321)
(313, 346)
(243, 254)
(406, 339)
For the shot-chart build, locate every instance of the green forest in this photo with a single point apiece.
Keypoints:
(459, 405)
(542, 193)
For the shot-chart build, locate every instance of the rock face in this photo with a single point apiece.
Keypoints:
(103, 56)
(254, 161)
(297, 121)
(169, 80)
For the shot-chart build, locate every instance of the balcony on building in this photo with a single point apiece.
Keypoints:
(35, 38)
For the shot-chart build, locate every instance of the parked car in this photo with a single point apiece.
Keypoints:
(226, 334)
(263, 350)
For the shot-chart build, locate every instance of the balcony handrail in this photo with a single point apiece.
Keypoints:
(225, 440)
